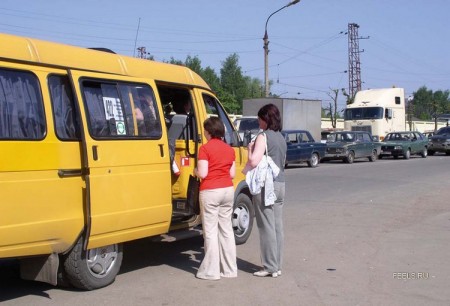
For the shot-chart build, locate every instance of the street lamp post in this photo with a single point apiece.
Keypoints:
(266, 49)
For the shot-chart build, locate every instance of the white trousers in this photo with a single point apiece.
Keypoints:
(220, 246)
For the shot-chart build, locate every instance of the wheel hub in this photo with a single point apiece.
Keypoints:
(241, 218)
(101, 260)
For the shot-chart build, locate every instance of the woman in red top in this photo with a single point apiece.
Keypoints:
(216, 168)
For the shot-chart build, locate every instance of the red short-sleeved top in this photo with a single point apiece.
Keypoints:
(220, 157)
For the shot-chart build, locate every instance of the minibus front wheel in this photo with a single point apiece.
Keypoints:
(242, 218)
(95, 268)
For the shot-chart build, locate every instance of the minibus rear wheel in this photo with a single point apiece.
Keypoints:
(95, 268)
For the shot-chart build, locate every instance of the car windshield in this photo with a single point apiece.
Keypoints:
(249, 124)
(444, 131)
(397, 137)
(363, 113)
(346, 137)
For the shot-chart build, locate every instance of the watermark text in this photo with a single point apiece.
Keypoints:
(410, 275)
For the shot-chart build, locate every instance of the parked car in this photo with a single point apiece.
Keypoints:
(324, 136)
(350, 145)
(404, 144)
(301, 147)
(247, 126)
(440, 142)
(428, 134)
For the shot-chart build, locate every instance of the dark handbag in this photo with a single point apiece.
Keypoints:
(193, 191)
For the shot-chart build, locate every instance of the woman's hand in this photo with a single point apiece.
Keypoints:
(251, 145)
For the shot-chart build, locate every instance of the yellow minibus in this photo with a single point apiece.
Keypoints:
(88, 141)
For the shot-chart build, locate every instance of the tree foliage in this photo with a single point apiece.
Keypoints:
(332, 108)
(427, 105)
(231, 86)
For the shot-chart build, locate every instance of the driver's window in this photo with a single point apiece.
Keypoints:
(213, 108)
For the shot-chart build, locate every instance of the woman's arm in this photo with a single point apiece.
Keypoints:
(202, 169)
(233, 170)
(256, 151)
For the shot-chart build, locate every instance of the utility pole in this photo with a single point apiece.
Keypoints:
(354, 64)
(266, 49)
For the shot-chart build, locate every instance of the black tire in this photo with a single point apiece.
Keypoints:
(242, 218)
(407, 154)
(350, 157)
(431, 153)
(62, 279)
(447, 153)
(95, 268)
(373, 156)
(313, 160)
(424, 153)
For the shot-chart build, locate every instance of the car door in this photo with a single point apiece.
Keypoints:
(127, 169)
(292, 153)
(416, 143)
(212, 107)
(359, 145)
(368, 144)
(305, 145)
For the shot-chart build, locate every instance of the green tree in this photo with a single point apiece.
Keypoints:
(428, 105)
(211, 77)
(439, 104)
(332, 108)
(232, 81)
(421, 103)
(238, 86)
(229, 102)
(255, 88)
(194, 63)
(231, 87)
(174, 61)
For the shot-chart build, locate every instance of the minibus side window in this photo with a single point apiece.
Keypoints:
(101, 108)
(121, 110)
(21, 109)
(214, 108)
(66, 124)
(141, 111)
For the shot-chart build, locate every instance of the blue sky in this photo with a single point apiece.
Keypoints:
(408, 44)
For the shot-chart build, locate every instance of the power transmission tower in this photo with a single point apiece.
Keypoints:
(354, 64)
(142, 53)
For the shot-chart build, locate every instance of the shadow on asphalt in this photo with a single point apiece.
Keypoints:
(184, 254)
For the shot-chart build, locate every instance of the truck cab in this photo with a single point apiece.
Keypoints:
(377, 111)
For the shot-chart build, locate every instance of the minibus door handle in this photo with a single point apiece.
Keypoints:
(94, 153)
(62, 173)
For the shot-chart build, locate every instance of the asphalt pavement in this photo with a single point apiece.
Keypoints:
(360, 234)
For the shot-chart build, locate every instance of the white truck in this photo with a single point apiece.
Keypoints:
(378, 111)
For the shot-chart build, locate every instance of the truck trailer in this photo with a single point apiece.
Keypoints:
(296, 114)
